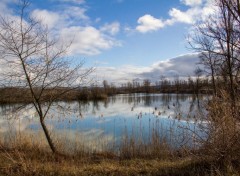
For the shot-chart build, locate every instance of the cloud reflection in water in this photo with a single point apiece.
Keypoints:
(100, 124)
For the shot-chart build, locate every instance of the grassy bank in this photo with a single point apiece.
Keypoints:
(27, 158)
(37, 162)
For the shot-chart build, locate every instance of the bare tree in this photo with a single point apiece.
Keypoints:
(37, 62)
(205, 46)
(106, 86)
(147, 86)
(218, 41)
(198, 73)
(233, 8)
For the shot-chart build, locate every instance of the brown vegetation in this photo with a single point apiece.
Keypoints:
(14, 95)
(219, 48)
(217, 152)
(26, 158)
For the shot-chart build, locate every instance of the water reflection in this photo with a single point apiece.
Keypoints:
(101, 124)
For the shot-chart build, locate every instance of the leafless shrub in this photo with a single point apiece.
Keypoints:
(37, 62)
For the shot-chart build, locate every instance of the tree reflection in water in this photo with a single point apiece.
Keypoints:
(106, 122)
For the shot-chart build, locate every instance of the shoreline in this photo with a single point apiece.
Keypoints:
(23, 96)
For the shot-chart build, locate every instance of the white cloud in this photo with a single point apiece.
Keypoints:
(208, 9)
(70, 15)
(193, 14)
(112, 28)
(86, 40)
(198, 10)
(74, 13)
(192, 2)
(72, 25)
(48, 18)
(118, 75)
(183, 66)
(149, 23)
(70, 22)
(183, 17)
(4, 10)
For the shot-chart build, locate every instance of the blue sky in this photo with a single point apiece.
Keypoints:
(124, 39)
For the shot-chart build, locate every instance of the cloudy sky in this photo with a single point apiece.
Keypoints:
(124, 39)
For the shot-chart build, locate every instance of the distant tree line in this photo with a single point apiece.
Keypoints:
(196, 85)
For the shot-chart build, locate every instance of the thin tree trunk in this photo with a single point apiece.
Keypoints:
(49, 140)
(214, 84)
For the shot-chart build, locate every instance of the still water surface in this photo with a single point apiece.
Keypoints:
(97, 125)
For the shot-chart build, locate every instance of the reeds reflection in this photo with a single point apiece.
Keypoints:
(97, 125)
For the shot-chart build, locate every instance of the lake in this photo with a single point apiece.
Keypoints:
(101, 125)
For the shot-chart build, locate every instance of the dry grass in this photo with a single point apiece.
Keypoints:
(223, 142)
(17, 162)
(28, 159)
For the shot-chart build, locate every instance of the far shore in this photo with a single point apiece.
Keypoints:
(13, 95)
